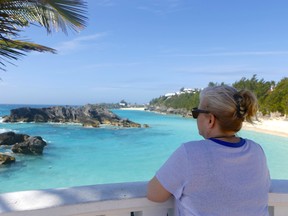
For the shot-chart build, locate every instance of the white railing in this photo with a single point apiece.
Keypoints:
(121, 199)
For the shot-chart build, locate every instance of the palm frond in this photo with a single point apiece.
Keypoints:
(13, 49)
(51, 14)
(60, 14)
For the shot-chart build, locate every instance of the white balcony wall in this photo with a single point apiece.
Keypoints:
(121, 199)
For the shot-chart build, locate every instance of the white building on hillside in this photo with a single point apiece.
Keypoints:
(182, 91)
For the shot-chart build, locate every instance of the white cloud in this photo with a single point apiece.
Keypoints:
(91, 37)
(113, 65)
(78, 43)
(163, 7)
(244, 53)
(105, 3)
(217, 69)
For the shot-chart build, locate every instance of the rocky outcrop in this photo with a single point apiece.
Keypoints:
(88, 115)
(23, 143)
(10, 138)
(6, 159)
(32, 145)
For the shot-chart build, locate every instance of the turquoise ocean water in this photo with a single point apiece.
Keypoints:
(78, 156)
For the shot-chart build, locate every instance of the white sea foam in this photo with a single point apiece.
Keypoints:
(64, 123)
(3, 130)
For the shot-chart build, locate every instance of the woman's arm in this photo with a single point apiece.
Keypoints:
(156, 192)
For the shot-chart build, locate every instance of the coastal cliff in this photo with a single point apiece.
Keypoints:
(88, 115)
(169, 110)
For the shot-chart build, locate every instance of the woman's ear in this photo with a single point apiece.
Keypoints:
(212, 121)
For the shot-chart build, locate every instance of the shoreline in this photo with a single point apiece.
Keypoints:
(133, 108)
(277, 127)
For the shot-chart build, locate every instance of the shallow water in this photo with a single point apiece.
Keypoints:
(83, 156)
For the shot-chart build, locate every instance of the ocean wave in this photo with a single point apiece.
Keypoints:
(64, 123)
(3, 130)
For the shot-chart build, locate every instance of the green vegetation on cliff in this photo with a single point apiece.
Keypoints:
(185, 100)
(272, 97)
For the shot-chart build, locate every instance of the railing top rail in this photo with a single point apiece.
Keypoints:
(279, 186)
(60, 197)
(39, 199)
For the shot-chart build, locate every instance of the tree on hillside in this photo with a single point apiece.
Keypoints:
(213, 84)
(186, 101)
(278, 99)
(271, 97)
(261, 89)
(50, 14)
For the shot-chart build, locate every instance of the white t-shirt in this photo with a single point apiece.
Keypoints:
(216, 178)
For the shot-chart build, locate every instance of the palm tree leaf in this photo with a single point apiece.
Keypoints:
(62, 13)
(13, 49)
(51, 14)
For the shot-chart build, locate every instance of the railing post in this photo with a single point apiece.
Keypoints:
(280, 211)
(278, 197)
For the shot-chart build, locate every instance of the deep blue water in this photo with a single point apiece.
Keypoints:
(83, 156)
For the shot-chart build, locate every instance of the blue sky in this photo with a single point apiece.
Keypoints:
(137, 50)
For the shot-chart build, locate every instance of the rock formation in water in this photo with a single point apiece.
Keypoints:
(23, 143)
(6, 159)
(88, 115)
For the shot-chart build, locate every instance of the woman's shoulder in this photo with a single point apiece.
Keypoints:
(195, 142)
(253, 144)
(195, 145)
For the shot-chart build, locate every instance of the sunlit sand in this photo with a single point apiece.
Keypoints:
(277, 126)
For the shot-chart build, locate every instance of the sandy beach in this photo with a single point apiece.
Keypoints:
(277, 126)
